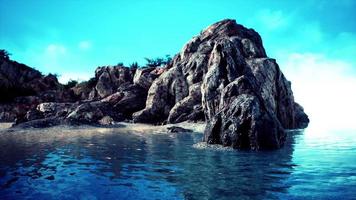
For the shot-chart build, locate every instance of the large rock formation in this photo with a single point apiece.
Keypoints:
(222, 76)
(225, 72)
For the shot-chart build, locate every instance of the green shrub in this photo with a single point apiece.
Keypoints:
(70, 84)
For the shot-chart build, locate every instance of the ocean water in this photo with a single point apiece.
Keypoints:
(143, 162)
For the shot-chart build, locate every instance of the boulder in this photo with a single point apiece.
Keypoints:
(170, 88)
(86, 113)
(177, 129)
(188, 109)
(133, 99)
(85, 90)
(53, 107)
(111, 77)
(106, 120)
(104, 86)
(33, 114)
(145, 76)
(6, 113)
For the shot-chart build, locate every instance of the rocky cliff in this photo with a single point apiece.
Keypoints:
(22, 88)
(225, 73)
(222, 76)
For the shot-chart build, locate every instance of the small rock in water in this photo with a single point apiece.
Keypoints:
(107, 120)
(10, 182)
(51, 178)
(176, 129)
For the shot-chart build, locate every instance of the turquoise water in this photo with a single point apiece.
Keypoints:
(90, 163)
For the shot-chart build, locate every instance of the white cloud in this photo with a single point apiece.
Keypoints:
(324, 87)
(55, 49)
(51, 57)
(272, 19)
(77, 76)
(84, 45)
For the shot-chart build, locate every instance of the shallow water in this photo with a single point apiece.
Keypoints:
(142, 162)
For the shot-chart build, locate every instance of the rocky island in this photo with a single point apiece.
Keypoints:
(222, 77)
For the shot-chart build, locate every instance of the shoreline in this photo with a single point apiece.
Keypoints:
(199, 127)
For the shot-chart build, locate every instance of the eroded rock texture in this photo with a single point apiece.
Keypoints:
(225, 74)
(22, 88)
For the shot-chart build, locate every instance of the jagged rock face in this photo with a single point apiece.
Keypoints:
(20, 80)
(118, 107)
(13, 73)
(189, 108)
(163, 94)
(191, 66)
(145, 76)
(244, 126)
(132, 99)
(111, 94)
(110, 78)
(22, 88)
(246, 100)
(85, 90)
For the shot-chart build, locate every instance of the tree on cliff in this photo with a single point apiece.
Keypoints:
(156, 62)
(4, 54)
(134, 65)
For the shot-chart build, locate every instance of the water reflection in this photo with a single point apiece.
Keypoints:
(90, 163)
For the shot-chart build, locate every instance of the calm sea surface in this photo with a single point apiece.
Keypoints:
(141, 162)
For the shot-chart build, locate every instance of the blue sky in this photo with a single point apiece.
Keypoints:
(314, 41)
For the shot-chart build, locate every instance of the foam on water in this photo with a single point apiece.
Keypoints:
(204, 145)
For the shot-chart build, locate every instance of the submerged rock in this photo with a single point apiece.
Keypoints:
(177, 129)
(51, 178)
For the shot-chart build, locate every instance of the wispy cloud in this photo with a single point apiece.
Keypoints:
(56, 49)
(85, 45)
(272, 19)
(64, 77)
